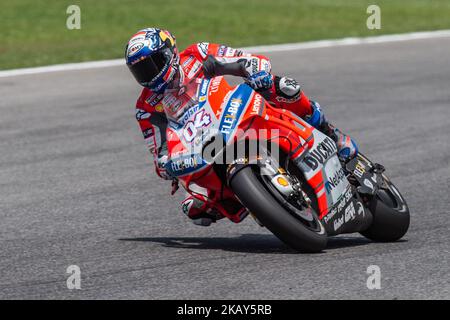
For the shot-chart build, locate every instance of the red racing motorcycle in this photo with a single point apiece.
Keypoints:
(246, 156)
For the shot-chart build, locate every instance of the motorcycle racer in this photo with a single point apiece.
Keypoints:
(171, 80)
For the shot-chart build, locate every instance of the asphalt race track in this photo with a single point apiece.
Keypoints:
(77, 188)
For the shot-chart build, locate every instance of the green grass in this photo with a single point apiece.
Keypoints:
(33, 32)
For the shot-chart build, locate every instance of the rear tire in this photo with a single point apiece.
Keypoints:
(258, 200)
(390, 215)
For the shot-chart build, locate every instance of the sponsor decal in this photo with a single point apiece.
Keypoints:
(360, 169)
(257, 104)
(265, 65)
(148, 133)
(187, 61)
(334, 181)
(338, 223)
(139, 37)
(233, 110)
(215, 85)
(288, 100)
(185, 164)
(154, 99)
(201, 119)
(150, 144)
(204, 87)
(350, 212)
(194, 70)
(203, 49)
(230, 52)
(172, 102)
(149, 136)
(203, 91)
(221, 51)
(341, 204)
(320, 154)
(229, 117)
(252, 66)
(188, 114)
(159, 108)
(135, 48)
(142, 114)
(349, 215)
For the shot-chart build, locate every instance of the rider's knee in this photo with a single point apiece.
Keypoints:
(192, 206)
(196, 210)
(287, 89)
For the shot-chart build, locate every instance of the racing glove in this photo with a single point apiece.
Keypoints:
(161, 170)
(261, 80)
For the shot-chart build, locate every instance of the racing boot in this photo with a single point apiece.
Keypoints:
(347, 148)
(199, 212)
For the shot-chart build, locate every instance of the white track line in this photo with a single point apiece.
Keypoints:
(264, 48)
(350, 41)
(62, 67)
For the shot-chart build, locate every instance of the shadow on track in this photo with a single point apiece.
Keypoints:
(246, 243)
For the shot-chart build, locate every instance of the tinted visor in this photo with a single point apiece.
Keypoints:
(148, 70)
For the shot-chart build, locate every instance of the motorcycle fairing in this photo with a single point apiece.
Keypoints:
(227, 108)
(368, 178)
(235, 107)
(323, 171)
(347, 215)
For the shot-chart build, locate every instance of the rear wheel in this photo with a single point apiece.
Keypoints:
(390, 215)
(300, 229)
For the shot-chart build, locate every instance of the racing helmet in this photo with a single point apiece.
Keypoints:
(152, 57)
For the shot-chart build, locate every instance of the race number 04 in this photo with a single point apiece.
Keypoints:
(201, 119)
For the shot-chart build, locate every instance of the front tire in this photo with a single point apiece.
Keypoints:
(390, 215)
(258, 200)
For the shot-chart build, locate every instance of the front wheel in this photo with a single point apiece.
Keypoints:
(288, 227)
(390, 215)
